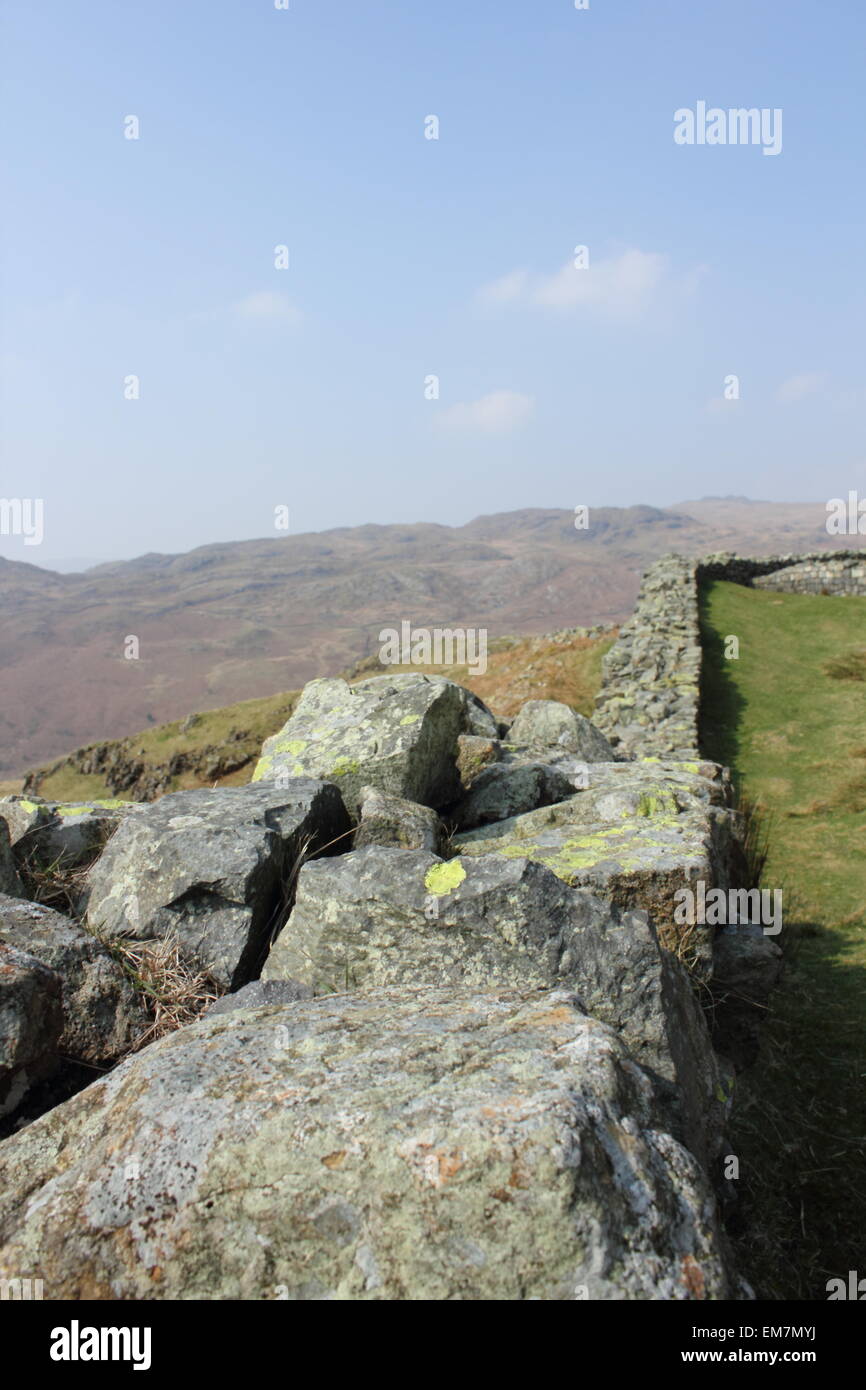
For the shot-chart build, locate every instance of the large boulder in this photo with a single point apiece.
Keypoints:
(551, 724)
(387, 918)
(10, 881)
(397, 733)
(103, 1016)
(31, 1021)
(213, 870)
(448, 1146)
(636, 835)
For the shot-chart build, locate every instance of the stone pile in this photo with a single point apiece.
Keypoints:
(461, 1051)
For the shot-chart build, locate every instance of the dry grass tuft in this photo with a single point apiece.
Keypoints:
(173, 992)
(850, 667)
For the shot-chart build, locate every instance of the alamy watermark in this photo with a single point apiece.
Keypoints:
(711, 125)
(846, 516)
(23, 516)
(721, 907)
(77, 1343)
(437, 646)
(854, 1290)
(20, 1289)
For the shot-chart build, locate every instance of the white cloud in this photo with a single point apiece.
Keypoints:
(796, 387)
(621, 286)
(495, 413)
(268, 304)
(511, 287)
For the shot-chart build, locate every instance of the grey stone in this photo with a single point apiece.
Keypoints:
(62, 834)
(10, 881)
(474, 754)
(551, 724)
(399, 735)
(212, 869)
(493, 1147)
(386, 918)
(392, 820)
(637, 835)
(260, 994)
(31, 1021)
(508, 788)
(102, 1014)
(477, 719)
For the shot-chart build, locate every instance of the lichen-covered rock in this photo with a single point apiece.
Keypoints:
(10, 881)
(386, 918)
(259, 994)
(31, 1021)
(509, 788)
(637, 835)
(392, 820)
(397, 734)
(102, 1015)
(447, 1146)
(211, 868)
(551, 724)
(477, 719)
(59, 834)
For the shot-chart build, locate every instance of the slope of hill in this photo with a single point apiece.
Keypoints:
(220, 747)
(231, 622)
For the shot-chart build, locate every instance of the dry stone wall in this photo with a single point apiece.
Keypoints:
(466, 1017)
(649, 703)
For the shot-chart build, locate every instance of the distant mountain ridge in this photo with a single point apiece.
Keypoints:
(238, 620)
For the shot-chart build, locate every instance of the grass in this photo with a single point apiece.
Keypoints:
(787, 717)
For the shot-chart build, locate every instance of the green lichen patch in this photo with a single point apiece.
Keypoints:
(443, 878)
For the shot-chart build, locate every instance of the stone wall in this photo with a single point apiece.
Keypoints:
(842, 576)
(649, 702)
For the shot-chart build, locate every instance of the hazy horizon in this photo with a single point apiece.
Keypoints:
(79, 564)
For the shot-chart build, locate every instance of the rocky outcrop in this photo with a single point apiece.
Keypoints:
(103, 1017)
(440, 1145)
(31, 1021)
(476, 1062)
(127, 772)
(212, 870)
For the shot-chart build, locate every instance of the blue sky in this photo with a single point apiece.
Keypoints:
(410, 257)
